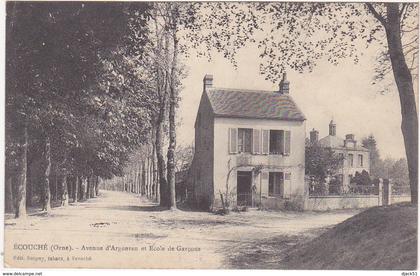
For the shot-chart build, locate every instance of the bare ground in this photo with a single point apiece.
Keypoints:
(253, 239)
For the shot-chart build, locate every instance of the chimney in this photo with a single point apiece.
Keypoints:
(284, 85)
(314, 134)
(350, 140)
(207, 82)
(332, 128)
(350, 137)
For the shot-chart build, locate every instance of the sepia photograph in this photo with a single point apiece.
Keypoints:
(210, 135)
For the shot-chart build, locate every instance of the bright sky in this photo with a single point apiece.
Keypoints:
(342, 92)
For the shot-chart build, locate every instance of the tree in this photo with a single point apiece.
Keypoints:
(167, 19)
(184, 156)
(321, 162)
(370, 143)
(399, 172)
(362, 178)
(297, 35)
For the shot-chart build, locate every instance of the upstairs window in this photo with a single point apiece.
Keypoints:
(259, 141)
(351, 164)
(276, 141)
(341, 156)
(279, 142)
(244, 140)
(360, 160)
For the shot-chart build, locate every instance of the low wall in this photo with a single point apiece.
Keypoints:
(400, 198)
(323, 203)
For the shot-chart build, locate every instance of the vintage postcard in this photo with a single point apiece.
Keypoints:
(222, 135)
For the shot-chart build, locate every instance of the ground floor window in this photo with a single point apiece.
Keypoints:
(275, 184)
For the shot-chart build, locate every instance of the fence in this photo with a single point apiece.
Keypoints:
(324, 189)
(329, 197)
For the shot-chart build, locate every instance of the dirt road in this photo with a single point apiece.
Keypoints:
(123, 230)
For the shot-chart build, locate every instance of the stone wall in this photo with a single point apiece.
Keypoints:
(324, 203)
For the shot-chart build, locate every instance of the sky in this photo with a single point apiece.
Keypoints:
(343, 93)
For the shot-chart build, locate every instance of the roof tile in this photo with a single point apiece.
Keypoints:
(259, 104)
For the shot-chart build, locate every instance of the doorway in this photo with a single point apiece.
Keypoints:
(243, 191)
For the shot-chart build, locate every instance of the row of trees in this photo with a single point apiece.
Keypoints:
(90, 86)
(141, 173)
(75, 103)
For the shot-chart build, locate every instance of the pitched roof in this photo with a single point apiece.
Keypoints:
(335, 142)
(241, 103)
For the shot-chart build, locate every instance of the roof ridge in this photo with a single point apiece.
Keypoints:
(244, 90)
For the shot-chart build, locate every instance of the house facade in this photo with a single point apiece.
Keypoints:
(355, 156)
(249, 148)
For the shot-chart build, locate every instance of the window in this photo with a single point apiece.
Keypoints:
(259, 141)
(351, 160)
(360, 160)
(244, 140)
(276, 141)
(341, 156)
(275, 184)
(279, 142)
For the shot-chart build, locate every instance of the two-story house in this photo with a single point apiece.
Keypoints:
(249, 148)
(355, 156)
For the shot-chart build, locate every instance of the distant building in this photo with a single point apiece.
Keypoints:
(249, 147)
(356, 157)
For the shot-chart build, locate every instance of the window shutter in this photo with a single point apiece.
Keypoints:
(233, 144)
(287, 184)
(265, 141)
(287, 142)
(256, 148)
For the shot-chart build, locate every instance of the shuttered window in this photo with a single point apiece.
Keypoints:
(287, 142)
(265, 141)
(233, 143)
(256, 147)
(245, 140)
(276, 184)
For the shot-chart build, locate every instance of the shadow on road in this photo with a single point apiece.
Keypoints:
(147, 208)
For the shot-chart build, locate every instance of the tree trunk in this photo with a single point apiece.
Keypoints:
(9, 208)
(155, 174)
(29, 187)
(144, 178)
(172, 125)
(20, 209)
(56, 185)
(88, 182)
(46, 193)
(64, 192)
(149, 184)
(163, 189)
(97, 186)
(152, 185)
(404, 81)
(83, 190)
(76, 189)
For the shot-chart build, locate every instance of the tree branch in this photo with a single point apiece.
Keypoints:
(379, 17)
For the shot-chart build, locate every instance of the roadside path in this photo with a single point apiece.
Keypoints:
(138, 234)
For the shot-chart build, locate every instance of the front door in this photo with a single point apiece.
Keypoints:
(244, 192)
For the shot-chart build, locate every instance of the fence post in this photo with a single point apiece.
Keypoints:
(389, 191)
(380, 189)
